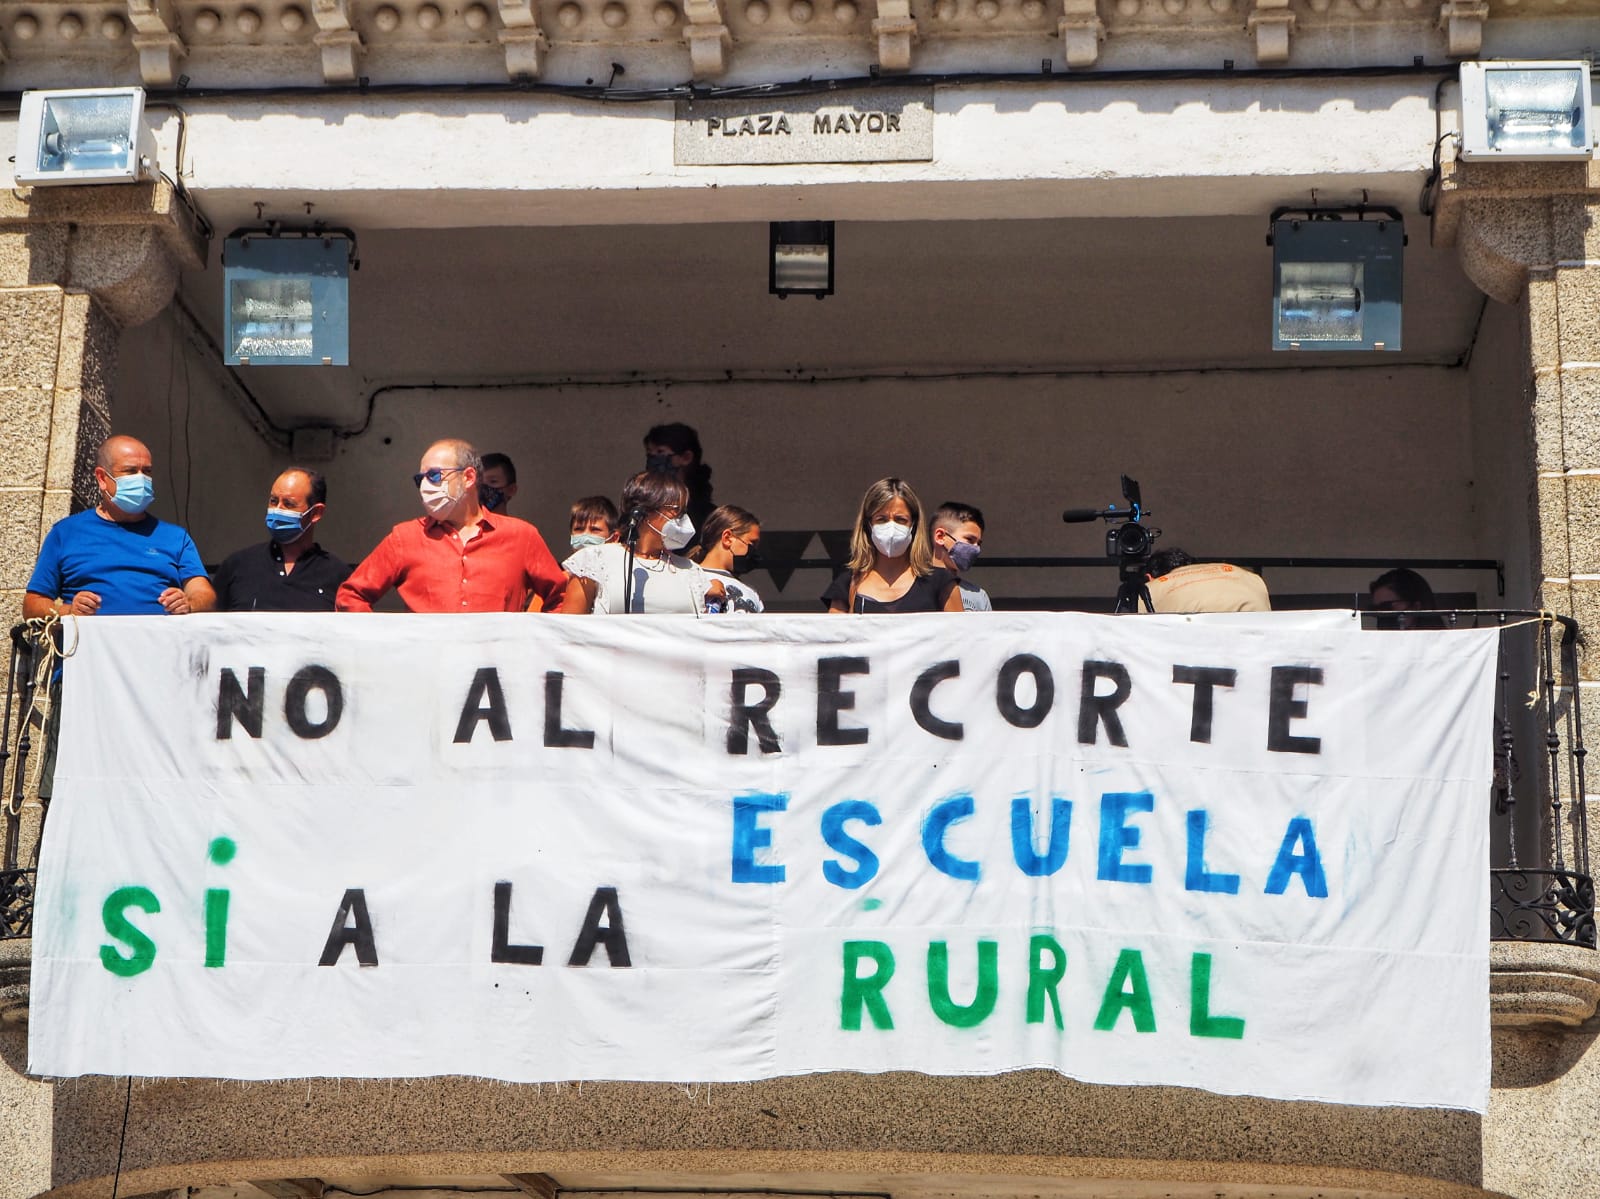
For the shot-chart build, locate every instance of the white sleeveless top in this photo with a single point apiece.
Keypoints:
(667, 584)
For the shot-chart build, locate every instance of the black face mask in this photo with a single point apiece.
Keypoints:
(490, 497)
(659, 462)
(744, 565)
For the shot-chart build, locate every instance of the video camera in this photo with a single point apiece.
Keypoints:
(1132, 539)
(1128, 544)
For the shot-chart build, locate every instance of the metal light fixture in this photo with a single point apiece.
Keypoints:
(85, 135)
(1336, 278)
(286, 296)
(1519, 111)
(801, 261)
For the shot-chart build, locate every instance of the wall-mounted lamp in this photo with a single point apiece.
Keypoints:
(1336, 278)
(86, 135)
(1517, 111)
(801, 261)
(286, 296)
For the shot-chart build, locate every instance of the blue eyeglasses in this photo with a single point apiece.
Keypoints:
(436, 475)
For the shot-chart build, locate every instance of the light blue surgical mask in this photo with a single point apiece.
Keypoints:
(285, 524)
(582, 541)
(134, 493)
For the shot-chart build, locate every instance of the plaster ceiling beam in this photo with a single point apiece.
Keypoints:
(338, 40)
(1272, 24)
(896, 30)
(1462, 24)
(706, 34)
(155, 38)
(525, 43)
(1081, 31)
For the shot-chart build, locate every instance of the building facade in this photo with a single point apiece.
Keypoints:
(1050, 268)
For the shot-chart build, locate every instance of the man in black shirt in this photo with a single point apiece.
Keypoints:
(290, 572)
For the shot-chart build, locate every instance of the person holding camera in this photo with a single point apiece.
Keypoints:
(891, 567)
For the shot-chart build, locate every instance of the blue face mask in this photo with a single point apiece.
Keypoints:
(134, 493)
(284, 524)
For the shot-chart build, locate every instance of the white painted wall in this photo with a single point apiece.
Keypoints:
(1017, 365)
(213, 470)
(1070, 147)
(1323, 462)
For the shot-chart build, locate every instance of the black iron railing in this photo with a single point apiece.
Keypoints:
(1542, 890)
(1550, 898)
(23, 735)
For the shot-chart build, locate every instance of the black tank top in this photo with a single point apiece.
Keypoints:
(924, 595)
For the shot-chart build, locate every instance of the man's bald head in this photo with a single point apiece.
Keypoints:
(460, 454)
(117, 461)
(115, 451)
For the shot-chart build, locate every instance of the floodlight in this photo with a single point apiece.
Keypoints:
(1336, 278)
(287, 297)
(87, 135)
(1519, 111)
(801, 259)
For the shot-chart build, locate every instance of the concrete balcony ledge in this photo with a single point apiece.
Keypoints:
(1540, 983)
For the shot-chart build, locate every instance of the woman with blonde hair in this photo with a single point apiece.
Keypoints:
(891, 567)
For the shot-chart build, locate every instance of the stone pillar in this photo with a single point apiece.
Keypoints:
(77, 265)
(1529, 234)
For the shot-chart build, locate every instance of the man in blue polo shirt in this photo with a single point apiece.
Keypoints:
(115, 559)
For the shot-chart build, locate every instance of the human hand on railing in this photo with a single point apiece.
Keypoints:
(85, 603)
(175, 602)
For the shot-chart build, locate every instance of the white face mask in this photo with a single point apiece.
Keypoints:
(891, 538)
(582, 541)
(437, 500)
(677, 532)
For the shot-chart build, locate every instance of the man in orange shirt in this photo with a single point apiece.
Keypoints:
(457, 557)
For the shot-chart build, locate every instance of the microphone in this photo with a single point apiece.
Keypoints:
(630, 528)
(1078, 516)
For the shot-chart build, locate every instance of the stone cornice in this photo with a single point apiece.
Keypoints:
(1541, 984)
(256, 41)
(126, 246)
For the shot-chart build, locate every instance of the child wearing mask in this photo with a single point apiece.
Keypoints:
(891, 567)
(730, 547)
(594, 521)
(957, 541)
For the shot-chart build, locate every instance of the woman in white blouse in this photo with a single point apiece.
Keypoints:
(662, 579)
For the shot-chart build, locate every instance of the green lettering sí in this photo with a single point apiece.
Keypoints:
(1201, 1022)
(113, 914)
(1043, 980)
(1128, 989)
(860, 994)
(947, 1009)
(220, 851)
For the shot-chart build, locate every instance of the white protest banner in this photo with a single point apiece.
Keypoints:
(1133, 850)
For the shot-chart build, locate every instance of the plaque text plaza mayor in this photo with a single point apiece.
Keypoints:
(770, 124)
(885, 125)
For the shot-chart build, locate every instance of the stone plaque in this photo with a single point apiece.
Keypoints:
(887, 124)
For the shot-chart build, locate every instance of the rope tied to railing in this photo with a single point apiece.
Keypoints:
(43, 633)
